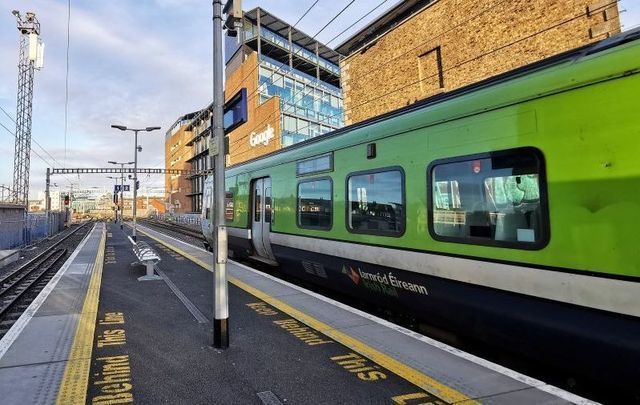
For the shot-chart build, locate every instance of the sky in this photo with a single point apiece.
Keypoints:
(134, 63)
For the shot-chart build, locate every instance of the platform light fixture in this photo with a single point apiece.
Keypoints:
(137, 148)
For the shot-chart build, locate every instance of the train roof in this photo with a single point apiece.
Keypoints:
(535, 79)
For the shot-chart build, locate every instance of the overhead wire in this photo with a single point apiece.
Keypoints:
(255, 93)
(36, 153)
(34, 141)
(378, 68)
(257, 65)
(356, 22)
(324, 120)
(334, 18)
(555, 25)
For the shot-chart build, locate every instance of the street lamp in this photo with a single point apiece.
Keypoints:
(121, 203)
(137, 149)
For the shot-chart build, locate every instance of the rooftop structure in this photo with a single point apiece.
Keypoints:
(282, 87)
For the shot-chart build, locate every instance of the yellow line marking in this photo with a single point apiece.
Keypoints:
(73, 387)
(400, 369)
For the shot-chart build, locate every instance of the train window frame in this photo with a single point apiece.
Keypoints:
(347, 201)
(309, 180)
(300, 173)
(545, 231)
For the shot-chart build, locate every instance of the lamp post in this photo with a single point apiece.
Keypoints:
(135, 168)
(121, 203)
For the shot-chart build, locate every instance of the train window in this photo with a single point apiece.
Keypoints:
(376, 202)
(498, 199)
(318, 164)
(315, 204)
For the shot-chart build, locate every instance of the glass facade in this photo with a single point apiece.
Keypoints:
(310, 102)
(309, 107)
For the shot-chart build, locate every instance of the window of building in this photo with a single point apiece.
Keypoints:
(492, 199)
(315, 204)
(430, 71)
(376, 202)
(235, 111)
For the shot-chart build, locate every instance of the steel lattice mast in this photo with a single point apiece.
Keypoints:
(29, 28)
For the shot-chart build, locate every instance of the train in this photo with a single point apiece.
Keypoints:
(507, 211)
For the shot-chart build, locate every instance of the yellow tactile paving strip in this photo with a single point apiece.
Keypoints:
(73, 387)
(413, 376)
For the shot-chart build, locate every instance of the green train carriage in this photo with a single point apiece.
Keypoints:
(507, 211)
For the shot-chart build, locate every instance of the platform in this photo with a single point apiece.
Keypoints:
(151, 342)
(47, 345)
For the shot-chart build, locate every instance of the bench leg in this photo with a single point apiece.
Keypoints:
(150, 273)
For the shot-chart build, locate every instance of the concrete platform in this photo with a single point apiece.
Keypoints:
(44, 348)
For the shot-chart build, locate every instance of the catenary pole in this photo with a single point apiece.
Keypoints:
(121, 202)
(217, 149)
(135, 183)
(47, 201)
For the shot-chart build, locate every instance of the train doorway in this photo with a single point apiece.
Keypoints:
(261, 217)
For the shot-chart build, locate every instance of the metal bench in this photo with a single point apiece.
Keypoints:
(147, 257)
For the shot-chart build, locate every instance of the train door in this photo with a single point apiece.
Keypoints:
(261, 217)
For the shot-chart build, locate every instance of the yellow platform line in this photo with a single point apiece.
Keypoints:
(400, 369)
(73, 387)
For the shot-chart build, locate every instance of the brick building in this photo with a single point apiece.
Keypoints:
(420, 48)
(177, 155)
(281, 88)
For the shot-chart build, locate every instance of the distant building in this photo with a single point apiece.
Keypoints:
(177, 156)
(56, 199)
(282, 87)
(145, 206)
(420, 48)
(84, 200)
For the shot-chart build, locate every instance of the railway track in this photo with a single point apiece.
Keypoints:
(183, 230)
(22, 285)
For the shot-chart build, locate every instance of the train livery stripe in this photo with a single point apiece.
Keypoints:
(567, 396)
(558, 286)
(73, 387)
(413, 376)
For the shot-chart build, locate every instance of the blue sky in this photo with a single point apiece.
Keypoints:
(136, 63)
